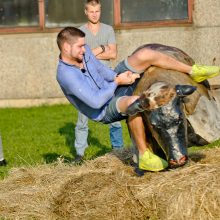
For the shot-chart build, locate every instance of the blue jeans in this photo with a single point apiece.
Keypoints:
(81, 134)
(116, 136)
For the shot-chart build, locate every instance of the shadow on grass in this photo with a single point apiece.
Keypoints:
(54, 157)
(68, 131)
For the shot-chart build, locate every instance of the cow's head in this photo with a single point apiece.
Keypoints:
(167, 119)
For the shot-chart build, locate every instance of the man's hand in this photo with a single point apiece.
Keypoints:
(126, 78)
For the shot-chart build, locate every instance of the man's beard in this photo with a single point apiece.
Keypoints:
(79, 60)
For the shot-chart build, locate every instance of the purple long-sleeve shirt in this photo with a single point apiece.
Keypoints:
(91, 91)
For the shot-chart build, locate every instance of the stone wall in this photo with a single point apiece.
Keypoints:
(28, 61)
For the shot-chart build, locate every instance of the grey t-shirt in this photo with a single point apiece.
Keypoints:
(105, 36)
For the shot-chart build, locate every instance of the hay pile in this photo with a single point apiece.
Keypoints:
(106, 188)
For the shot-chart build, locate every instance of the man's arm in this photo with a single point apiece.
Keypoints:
(74, 83)
(80, 88)
(109, 52)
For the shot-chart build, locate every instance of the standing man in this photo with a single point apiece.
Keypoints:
(101, 39)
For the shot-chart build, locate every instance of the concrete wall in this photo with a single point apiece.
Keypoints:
(28, 61)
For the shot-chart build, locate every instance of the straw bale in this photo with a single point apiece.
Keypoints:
(107, 188)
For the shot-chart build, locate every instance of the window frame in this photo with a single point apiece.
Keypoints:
(118, 24)
(32, 29)
(117, 21)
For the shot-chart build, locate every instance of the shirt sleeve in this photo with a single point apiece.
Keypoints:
(111, 36)
(76, 84)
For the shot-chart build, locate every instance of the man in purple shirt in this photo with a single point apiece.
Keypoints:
(106, 96)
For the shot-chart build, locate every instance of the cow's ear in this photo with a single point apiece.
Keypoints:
(185, 90)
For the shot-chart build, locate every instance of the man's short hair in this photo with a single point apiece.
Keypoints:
(69, 35)
(92, 2)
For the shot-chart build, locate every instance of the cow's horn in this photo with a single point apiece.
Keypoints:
(184, 90)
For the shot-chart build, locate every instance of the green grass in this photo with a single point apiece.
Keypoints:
(39, 135)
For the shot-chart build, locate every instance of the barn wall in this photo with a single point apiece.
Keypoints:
(28, 61)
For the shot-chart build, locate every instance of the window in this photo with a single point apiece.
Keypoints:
(21, 13)
(131, 13)
(71, 12)
(51, 15)
(64, 13)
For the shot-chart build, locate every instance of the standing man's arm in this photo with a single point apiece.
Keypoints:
(109, 50)
(105, 52)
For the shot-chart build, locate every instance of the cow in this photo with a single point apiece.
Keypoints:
(177, 109)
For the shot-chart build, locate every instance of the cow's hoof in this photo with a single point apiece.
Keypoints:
(3, 163)
(139, 171)
(178, 163)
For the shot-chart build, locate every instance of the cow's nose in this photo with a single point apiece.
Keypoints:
(184, 90)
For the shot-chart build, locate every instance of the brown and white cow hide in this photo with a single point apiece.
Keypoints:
(202, 108)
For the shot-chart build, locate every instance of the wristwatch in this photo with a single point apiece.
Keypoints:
(103, 48)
